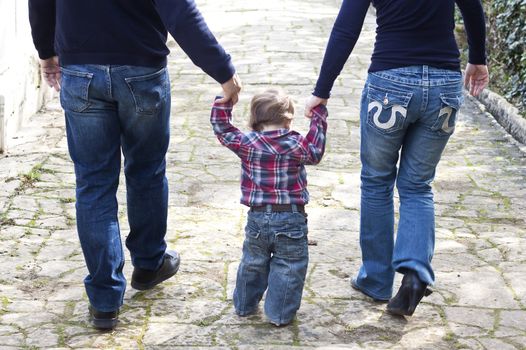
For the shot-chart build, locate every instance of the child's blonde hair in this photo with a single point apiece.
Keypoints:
(271, 106)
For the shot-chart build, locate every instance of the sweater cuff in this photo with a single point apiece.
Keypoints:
(477, 58)
(223, 73)
(44, 54)
(322, 92)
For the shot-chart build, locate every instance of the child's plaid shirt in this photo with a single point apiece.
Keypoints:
(272, 162)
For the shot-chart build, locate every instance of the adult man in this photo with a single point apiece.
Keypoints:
(115, 91)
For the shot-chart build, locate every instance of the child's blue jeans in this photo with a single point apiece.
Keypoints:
(275, 255)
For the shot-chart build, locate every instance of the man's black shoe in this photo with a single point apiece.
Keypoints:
(147, 279)
(103, 320)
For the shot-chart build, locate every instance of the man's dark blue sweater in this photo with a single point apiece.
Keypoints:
(409, 32)
(125, 32)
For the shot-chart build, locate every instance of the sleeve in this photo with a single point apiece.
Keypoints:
(475, 24)
(316, 137)
(221, 120)
(188, 27)
(343, 37)
(42, 19)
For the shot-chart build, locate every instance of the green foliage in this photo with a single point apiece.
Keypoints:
(506, 20)
(506, 48)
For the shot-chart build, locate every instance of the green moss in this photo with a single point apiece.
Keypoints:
(449, 336)
(5, 302)
(67, 200)
(60, 330)
(140, 337)
(34, 174)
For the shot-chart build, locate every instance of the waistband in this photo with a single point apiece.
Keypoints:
(279, 208)
(419, 76)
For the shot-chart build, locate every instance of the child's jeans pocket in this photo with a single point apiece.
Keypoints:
(292, 244)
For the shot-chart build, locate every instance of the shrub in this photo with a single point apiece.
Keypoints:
(506, 47)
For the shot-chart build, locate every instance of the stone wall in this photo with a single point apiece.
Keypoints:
(21, 90)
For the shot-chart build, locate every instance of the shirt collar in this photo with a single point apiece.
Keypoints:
(276, 133)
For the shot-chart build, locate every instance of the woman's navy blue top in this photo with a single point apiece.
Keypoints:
(125, 32)
(409, 32)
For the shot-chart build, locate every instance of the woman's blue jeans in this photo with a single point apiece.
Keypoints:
(110, 109)
(407, 116)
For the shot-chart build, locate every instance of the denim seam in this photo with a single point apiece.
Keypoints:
(108, 82)
(425, 99)
(244, 294)
(286, 292)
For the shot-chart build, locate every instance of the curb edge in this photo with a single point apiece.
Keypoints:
(505, 114)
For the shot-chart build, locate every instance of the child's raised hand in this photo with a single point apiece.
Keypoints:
(312, 102)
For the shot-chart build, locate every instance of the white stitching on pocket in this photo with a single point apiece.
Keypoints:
(445, 126)
(392, 120)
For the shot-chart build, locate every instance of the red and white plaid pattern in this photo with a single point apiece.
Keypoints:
(272, 162)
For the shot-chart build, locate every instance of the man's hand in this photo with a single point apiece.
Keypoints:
(476, 78)
(51, 72)
(231, 90)
(312, 102)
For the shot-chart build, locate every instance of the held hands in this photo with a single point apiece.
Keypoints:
(476, 78)
(312, 102)
(231, 90)
(51, 72)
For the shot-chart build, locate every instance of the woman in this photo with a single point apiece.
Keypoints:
(408, 109)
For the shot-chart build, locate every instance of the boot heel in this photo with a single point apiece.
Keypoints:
(409, 295)
(414, 300)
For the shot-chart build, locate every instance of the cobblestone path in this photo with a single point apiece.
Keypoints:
(480, 262)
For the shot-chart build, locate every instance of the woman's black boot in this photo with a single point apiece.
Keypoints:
(409, 295)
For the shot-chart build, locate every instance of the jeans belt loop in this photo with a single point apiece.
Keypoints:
(269, 208)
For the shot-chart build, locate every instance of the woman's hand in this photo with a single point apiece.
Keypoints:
(476, 78)
(312, 102)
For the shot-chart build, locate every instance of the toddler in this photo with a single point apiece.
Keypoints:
(274, 186)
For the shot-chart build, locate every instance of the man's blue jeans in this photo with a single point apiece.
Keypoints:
(110, 109)
(407, 114)
(275, 255)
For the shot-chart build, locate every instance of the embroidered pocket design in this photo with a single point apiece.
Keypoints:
(446, 119)
(392, 119)
(387, 110)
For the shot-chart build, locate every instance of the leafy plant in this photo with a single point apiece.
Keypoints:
(506, 47)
